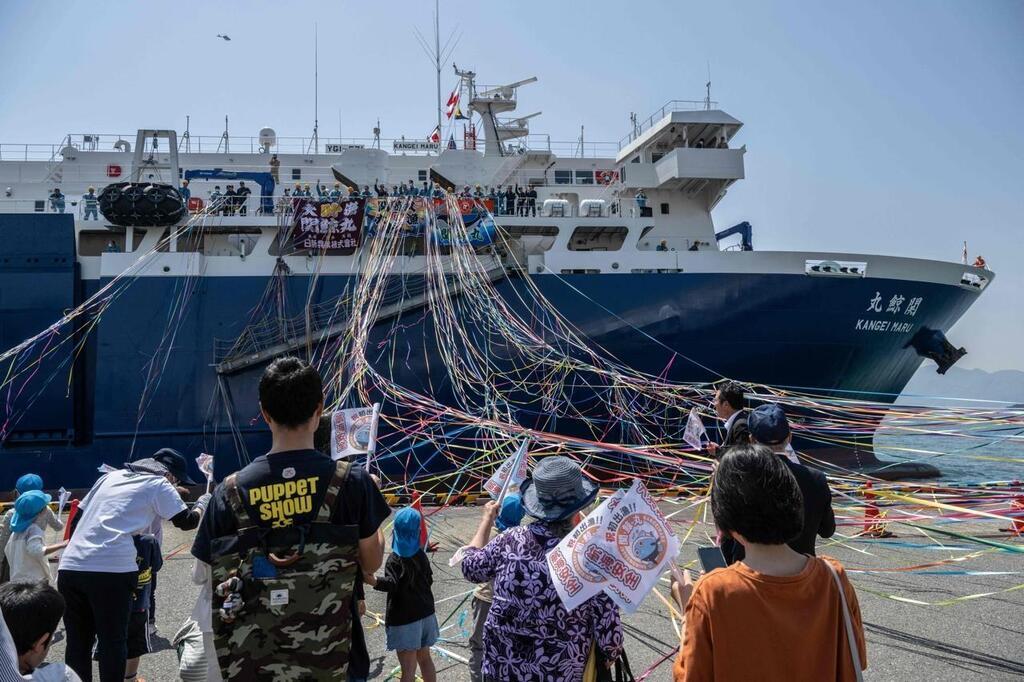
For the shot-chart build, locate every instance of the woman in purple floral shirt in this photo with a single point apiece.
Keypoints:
(529, 634)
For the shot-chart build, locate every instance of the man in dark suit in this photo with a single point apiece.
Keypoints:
(729, 408)
(768, 426)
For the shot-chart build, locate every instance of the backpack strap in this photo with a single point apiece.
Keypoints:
(235, 502)
(341, 470)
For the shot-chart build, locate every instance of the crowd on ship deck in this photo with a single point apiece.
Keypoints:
(297, 529)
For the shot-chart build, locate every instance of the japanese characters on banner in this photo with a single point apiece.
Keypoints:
(331, 227)
(575, 580)
(635, 546)
(354, 431)
(694, 433)
(510, 475)
(476, 215)
(621, 549)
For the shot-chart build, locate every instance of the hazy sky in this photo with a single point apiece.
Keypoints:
(890, 127)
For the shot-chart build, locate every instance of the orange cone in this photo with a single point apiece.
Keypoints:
(873, 527)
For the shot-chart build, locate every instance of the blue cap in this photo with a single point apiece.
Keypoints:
(512, 512)
(27, 508)
(28, 482)
(768, 425)
(405, 537)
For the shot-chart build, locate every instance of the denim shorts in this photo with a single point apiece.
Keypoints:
(417, 635)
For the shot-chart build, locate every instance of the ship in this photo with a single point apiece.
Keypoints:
(619, 238)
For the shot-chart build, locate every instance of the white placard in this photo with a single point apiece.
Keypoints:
(510, 475)
(574, 579)
(695, 431)
(354, 431)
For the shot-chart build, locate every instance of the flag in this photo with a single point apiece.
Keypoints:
(205, 463)
(459, 116)
(453, 103)
(510, 475)
(62, 500)
(694, 432)
(451, 141)
(435, 136)
(354, 431)
(575, 580)
(635, 547)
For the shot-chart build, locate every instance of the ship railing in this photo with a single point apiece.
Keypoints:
(306, 146)
(670, 106)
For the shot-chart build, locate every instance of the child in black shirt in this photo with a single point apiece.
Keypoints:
(409, 621)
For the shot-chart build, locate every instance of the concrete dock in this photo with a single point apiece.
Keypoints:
(974, 639)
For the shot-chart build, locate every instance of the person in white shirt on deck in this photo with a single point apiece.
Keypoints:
(98, 574)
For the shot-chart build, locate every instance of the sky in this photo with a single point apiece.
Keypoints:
(878, 126)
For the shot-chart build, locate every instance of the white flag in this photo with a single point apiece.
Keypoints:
(354, 431)
(510, 475)
(694, 432)
(637, 544)
(205, 463)
(62, 499)
(574, 579)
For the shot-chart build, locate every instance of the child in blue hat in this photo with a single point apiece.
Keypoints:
(26, 550)
(46, 519)
(510, 516)
(410, 624)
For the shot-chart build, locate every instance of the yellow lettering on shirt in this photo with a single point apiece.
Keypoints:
(279, 503)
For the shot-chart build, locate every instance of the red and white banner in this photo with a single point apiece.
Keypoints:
(354, 431)
(510, 475)
(606, 177)
(453, 103)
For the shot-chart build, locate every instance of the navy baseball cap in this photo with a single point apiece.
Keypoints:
(768, 425)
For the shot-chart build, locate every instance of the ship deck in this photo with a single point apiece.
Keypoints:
(970, 640)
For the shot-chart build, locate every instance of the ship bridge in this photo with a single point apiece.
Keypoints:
(683, 147)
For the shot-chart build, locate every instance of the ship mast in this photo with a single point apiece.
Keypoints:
(439, 53)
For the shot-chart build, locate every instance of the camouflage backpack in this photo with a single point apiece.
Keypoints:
(295, 585)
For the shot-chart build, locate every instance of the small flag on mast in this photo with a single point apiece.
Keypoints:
(436, 135)
(453, 103)
(451, 141)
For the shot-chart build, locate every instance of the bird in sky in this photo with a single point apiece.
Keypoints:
(225, 37)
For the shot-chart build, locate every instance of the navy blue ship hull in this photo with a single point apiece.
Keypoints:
(808, 333)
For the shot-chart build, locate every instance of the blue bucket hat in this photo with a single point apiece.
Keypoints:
(557, 490)
(28, 482)
(511, 514)
(405, 537)
(768, 425)
(27, 508)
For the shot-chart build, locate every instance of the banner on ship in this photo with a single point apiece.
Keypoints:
(354, 431)
(575, 580)
(330, 227)
(476, 214)
(621, 549)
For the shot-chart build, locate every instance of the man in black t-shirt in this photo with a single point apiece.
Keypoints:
(287, 486)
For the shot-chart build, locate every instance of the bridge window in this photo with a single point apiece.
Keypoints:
(584, 177)
(563, 177)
